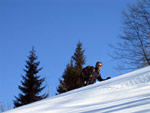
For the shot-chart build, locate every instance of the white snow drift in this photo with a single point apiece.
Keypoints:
(129, 93)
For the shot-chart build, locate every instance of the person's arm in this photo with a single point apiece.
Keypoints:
(99, 78)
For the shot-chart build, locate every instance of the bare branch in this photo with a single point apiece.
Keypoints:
(133, 48)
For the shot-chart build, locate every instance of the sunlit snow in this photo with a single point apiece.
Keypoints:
(128, 93)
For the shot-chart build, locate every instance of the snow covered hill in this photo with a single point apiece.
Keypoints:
(128, 93)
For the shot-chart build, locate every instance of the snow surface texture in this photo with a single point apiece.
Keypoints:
(129, 93)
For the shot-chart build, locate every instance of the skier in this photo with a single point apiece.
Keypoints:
(89, 74)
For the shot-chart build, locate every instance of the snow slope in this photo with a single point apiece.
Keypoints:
(128, 93)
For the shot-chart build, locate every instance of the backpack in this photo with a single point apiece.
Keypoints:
(85, 74)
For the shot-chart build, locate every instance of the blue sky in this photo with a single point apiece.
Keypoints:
(54, 28)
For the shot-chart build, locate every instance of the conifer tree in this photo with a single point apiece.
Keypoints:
(79, 61)
(31, 83)
(68, 75)
(71, 76)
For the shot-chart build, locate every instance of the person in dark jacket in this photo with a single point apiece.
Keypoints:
(96, 74)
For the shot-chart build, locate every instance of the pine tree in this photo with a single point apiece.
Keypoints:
(31, 84)
(79, 61)
(71, 76)
(68, 77)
